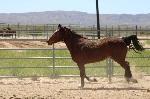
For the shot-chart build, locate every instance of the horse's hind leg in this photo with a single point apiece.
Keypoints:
(91, 80)
(128, 74)
(119, 56)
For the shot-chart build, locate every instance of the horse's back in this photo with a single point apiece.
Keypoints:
(92, 51)
(112, 47)
(117, 48)
(107, 45)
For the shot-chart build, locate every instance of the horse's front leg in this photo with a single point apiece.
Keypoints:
(82, 74)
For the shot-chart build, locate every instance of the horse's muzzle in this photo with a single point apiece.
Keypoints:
(49, 43)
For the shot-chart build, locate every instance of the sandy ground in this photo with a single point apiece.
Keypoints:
(67, 88)
(29, 44)
(38, 44)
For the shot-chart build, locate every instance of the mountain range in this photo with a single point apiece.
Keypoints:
(73, 17)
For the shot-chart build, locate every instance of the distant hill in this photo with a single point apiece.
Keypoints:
(73, 17)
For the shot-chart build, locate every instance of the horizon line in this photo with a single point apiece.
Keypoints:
(68, 11)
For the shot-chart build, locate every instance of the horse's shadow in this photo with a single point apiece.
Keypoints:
(103, 88)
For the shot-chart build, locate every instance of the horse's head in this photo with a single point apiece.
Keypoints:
(58, 35)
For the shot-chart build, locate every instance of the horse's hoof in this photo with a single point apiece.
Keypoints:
(133, 80)
(81, 86)
(95, 80)
(127, 79)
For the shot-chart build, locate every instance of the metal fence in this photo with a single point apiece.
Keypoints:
(109, 66)
(44, 31)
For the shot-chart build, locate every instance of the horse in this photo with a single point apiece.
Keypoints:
(6, 32)
(84, 51)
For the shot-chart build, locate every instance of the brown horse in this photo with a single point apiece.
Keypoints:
(84, 51)
(6, 32)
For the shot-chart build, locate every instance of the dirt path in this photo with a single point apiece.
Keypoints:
(67, 88)
(29, 44)
(7, 45)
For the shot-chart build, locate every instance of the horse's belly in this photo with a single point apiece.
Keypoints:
(95, 56)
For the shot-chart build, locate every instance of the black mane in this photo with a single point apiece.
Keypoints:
(75, 35)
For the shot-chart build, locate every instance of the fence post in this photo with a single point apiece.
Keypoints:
(32, 31)
(109, 69)
(106, 31)
(47, 31)
(43, 31)
(27, 31)
(127, 30)
(136, 29)
(107, 64)
(112, 31)
(18, 30)
(119, 30)
(109, 61)
(53, 60)
(140, 30)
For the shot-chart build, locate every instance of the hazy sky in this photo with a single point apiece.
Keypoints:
(105, 6)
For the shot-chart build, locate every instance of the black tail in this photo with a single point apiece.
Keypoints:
(133, 40)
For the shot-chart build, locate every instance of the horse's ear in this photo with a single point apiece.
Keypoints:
(66, 28)
(59, 26)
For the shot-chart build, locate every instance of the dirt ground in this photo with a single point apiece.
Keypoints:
(67, 88)
(39, 44)
(29, 44)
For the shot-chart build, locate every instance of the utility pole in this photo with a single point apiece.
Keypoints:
(98, 22)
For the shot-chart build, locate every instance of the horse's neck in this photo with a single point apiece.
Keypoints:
(72, 42)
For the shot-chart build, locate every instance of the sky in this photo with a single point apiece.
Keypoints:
(105, 6)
